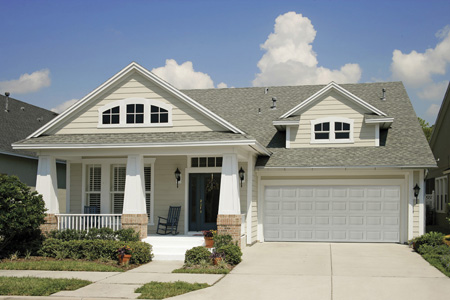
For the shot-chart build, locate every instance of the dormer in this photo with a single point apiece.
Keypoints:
(333, 117)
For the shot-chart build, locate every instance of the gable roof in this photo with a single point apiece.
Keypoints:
(443, 113)
(149, 76)
(21, 120)
(333, 86)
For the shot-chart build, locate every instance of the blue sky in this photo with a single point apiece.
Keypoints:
(53, 52)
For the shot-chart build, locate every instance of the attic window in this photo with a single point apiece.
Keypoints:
(135, 112)
(331, 130)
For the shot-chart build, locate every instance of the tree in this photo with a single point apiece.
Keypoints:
(21, 214)
(427, 129)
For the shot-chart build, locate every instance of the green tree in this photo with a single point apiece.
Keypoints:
(21, 214)
(427, 129)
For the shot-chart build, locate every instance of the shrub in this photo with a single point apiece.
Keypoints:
(430, 238)
(196, 255)
(426, 249)
(21, 214)
(222, 240)
(126, 235)
(233, 254)
(95, 249)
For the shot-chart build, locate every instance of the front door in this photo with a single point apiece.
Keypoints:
(204, 190)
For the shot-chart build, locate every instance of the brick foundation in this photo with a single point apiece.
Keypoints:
(50, 223)
(136, 221)
(230, 224)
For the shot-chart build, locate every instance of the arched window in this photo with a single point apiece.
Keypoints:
(332, 130)
(111, 116)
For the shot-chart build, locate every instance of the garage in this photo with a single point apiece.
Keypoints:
(340, 213)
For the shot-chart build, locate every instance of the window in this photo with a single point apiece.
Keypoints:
(93, 185)
(148, 191)
(204, 162)
(331, 130)
(441, 193)
(135, 112)
(118, 177)
(111, 116)
(158, 115)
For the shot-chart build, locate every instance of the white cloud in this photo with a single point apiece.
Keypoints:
(62, 107)
(183, 76)
(433, 91)
(290, 59)
(27, 83)
(433, 111)
(222, 85)
(416, 69)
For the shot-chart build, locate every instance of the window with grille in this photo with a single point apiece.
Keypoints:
(206, 162)
(148, 191)
(93, 185)
(332, 130)
(441, 192)
(135, 113)
(118, 177)
(111, 116)
(158, 115)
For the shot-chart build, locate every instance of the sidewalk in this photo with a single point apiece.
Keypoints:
(114, 284)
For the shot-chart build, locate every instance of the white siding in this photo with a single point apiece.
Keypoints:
(184, 117)
(333, 105)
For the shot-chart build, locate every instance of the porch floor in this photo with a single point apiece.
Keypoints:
(172, 247)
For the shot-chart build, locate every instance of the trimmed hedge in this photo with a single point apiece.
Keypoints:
(128, 235)
(94, 249)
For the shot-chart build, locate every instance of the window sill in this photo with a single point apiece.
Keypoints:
(331, 142)
(168, 125)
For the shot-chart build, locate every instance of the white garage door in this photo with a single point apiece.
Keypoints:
(332, 213)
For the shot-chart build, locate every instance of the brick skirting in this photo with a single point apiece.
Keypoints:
(136, 221)
(50, 223)
(230, 224)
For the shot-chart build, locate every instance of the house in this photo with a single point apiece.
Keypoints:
(18, 120)
(334, 162)
(437, 179)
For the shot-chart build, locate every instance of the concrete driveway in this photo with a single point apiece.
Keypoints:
(329, 271)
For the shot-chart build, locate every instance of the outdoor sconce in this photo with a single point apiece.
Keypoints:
(241, 175)
(178, 176)
(416, 192)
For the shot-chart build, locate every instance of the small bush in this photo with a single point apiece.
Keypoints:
(426, 249)
(430, 238)
(233, 254)
(126, 235)
(222, 240)
(95, 249)
(196, 255)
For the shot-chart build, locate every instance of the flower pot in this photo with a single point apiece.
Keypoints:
(125, 259)
(209, 242)
(216, 260)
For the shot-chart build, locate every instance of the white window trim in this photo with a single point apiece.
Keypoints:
(123, 115)
(332, 139)
(441, 189)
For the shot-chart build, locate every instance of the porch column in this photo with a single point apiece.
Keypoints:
(229, 217)
(134, 213)
(47, 186)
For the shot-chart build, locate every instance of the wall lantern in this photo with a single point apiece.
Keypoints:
(241, 175)
(178, 176)
(416, 192)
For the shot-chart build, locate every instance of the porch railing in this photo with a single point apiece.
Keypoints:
(88, 221)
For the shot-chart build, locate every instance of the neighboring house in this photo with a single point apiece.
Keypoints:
(18, 120)
(438, 179)
(321, 163)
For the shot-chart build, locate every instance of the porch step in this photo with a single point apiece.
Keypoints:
(169, 247)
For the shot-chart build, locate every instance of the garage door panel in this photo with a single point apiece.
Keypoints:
(330, 213)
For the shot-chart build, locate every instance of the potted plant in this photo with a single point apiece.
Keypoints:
(208, 236)
(124, 254)
(217, 257)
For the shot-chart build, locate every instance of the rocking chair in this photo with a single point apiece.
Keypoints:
(170, 223)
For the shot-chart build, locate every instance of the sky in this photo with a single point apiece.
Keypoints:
(54, 53)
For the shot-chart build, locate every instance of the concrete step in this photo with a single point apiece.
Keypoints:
(169, 247)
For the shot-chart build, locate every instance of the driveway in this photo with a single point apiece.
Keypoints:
(329, 271)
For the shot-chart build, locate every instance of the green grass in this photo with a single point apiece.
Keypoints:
(58, 265)
(161, 290)
(31, 286)
(438, 263)
(201, 271)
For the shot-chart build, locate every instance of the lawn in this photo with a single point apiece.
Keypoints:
(31, 286)
(161, 290)
(51, 264)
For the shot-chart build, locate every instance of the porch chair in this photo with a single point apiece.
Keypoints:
(170, 223)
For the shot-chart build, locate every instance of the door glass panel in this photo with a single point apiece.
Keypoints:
(193, 198)
(211, 202)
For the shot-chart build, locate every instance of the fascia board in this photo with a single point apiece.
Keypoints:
(148, 74)
(333, 85)
(351, 167)
(289, 123)
(376, 121)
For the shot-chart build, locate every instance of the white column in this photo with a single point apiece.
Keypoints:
(229, 201)
(46, 183)
(134, 198)
(250, 166)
